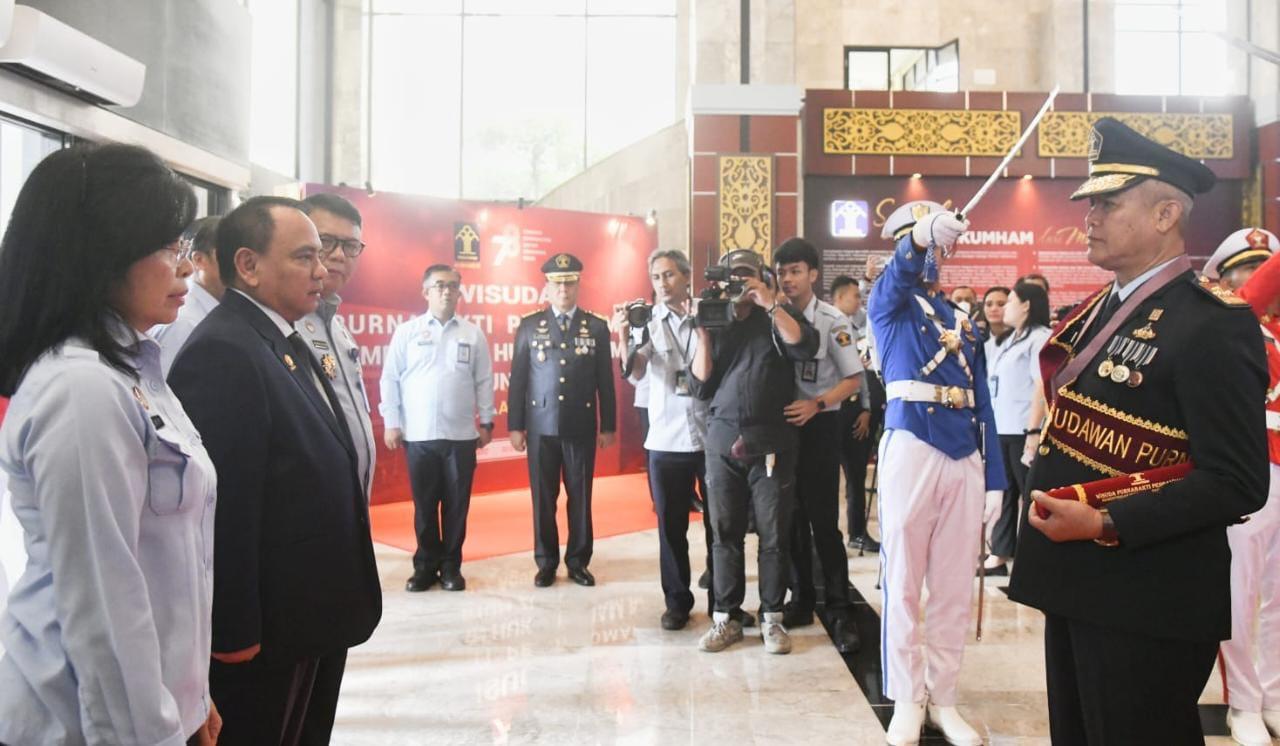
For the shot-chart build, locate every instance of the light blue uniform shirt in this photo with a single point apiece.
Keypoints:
(172, 337)
(907, 338)
(107, 632)
(1013, 373)
(677, 420)
(436, 378)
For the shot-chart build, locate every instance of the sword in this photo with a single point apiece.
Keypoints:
(982, 576)
(1261, 53)
(995, 175)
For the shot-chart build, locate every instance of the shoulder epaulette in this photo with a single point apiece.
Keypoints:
(1221, 294)
(598, 316)
(533, 313)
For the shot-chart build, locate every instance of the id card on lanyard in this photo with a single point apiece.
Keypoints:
(681, 383)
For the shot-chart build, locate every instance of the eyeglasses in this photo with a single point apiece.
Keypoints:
(178, 252)
(351, 247)
(440, 287)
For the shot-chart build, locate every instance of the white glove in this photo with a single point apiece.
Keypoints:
(938, 228)
(992, 507)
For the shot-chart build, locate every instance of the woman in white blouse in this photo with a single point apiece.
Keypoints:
(1013, 375)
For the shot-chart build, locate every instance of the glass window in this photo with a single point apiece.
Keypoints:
(417, 96)
(273, 102)
(868, 70)
(523, 123)
(1168, 47)
(902, 68)
(622, 69)
(21, 148)
(1136, 68)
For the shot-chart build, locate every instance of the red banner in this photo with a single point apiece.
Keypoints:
(499, 250)
(1021, 226)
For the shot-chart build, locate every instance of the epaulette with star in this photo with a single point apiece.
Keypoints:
(1221, 294)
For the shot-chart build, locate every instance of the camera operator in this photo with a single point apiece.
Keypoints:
(677, 421)
(745, 371)
(823, 383)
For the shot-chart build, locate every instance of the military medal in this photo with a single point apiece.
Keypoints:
(288, 360)
(311, 327)
(1105, 368)
(142, 399)
(1135, 379)
(330, 365)
(1145, 332)
(950, 341)
(1120, 373)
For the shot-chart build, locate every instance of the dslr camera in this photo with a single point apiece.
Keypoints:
(727, 286)
(639, 313)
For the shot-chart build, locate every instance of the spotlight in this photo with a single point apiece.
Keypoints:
(1026, 177)
(651, 218)
(917, 176)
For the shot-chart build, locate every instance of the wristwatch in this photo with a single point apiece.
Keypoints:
(822, 405)
(487, 426)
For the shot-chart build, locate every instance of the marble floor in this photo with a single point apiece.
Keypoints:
(507, 663)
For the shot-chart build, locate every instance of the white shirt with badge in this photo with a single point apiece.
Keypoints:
(837, 357)
(677, 420)
(436, 379)
(1013, 373)
(172, 337)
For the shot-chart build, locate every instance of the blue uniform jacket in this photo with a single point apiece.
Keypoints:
(908, 340)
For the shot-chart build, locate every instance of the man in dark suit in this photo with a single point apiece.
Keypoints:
(1153, 370)
(560, 377)
(294, 580)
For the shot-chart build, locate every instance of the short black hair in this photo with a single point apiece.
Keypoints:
(1037, 299)
(334, 203)
(248, 226)
(841, 282)
(995, 289)
(84, 216)
(203, 234)
(1036, 277)
(794, 250)
(439, 268)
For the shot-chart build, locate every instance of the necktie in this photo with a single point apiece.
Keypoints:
(1108, 310)
(564, 322)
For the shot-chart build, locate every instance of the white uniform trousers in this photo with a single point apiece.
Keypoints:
(930, 525)
(1251, 658)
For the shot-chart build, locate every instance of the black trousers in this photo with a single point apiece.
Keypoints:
(673, 477)
(440, 474)
(317, 727)
(1004, 534)
(735, 489)
(552, 458)
(1114, 688)
(262, 704)
(817, 519)
(855, 454)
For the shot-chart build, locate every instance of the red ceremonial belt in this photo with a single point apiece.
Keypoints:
(1098, 494)
(1108, 440)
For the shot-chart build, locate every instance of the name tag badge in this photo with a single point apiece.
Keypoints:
(158, 421)
(682, 383)
(464, 352)
(809, 371)
(320, 344)
(994, 385)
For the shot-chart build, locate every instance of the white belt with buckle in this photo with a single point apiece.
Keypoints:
(1273, 420)
(954, 397)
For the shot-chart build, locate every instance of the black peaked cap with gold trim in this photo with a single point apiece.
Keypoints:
(1120, 158)
(562, 268)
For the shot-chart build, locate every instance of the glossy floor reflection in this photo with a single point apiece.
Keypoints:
(505, 662)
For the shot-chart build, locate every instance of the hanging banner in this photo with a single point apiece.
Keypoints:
(499, 250)
(1022, 226)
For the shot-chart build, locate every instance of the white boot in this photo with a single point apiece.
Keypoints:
(953, 727)
(1247, 728)
(1272, 719)
(908, 720)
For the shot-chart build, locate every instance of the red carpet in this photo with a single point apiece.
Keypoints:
(502, 522)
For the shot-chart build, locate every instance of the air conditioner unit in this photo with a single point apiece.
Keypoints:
(51, 52)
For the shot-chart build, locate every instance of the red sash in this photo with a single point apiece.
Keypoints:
(1109, 440)
(1103, 491)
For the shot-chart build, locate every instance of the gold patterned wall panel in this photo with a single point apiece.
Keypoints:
(746, 203)
(1065, 134)
(919, 132)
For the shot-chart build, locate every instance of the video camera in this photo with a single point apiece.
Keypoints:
(728, 286)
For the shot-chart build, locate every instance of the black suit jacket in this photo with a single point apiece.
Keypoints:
(1207, 379)
(293, 560)
(560, 380)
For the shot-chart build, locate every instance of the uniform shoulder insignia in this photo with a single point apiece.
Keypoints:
(533, 313)
(598, 316)
(1221, 294)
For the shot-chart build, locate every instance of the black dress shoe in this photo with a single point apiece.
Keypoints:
(748, 619)
(545, 578)
(673, 620)
(582, 576)
(999, 571)
(451, 579)
(421, 581)
(864, 543)
(796, 615)
(704, 580)
(845, 635)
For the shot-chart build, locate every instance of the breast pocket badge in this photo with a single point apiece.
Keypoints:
(809, 371)
(464, 353)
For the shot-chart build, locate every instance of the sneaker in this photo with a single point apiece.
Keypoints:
(797, 614)
(723, 633)
(704, 580)
(1247, 728)
(776, 639)
(863, 543)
